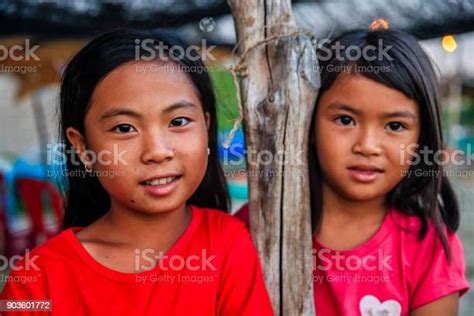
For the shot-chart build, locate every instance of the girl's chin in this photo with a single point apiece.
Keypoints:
(147, 205)
(363, 195)
(150, 210)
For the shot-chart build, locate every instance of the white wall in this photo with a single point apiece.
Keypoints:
(18, 134)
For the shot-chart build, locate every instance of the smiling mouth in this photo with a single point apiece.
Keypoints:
(160, 181)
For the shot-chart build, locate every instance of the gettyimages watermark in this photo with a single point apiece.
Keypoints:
(169, 68)
(175, 278)
(264, 173)
(148, 259)
(353, 69)
(18, 263)
(58, 154)
(421, 173)
(174, 268)
(371, 268)
(81, 173)
(18, 69)
(150, 50)
(414, 155)
(350, 279)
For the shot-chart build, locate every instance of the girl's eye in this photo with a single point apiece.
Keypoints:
(396, 126)
(123, 128)
(344, 120)
(179, 121)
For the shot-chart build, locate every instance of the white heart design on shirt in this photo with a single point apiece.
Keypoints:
(370, 306)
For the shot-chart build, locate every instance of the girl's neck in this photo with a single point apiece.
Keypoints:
(114, 239)
(346, 224)
(339, 210)
(129, 227)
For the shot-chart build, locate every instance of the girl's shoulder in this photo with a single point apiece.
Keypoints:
(430, 272)
(423, 252)
(54, 254)
(55, 246)
(410, 225)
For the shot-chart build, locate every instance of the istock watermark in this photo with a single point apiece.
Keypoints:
(59, 154)
(236, 154)
(413, 155)
(149, 49)
(328, 50)
(15, 262)
(19, 52)
(325, 259)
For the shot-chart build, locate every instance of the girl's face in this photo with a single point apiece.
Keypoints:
(148, 131)
(361, 128)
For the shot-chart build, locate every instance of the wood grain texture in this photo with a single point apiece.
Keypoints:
(279, 83)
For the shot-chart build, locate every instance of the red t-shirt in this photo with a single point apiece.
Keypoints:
(213, 269)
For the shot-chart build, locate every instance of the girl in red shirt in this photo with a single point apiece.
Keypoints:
(146, 231)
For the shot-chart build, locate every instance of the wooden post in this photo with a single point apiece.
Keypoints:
(279, 82)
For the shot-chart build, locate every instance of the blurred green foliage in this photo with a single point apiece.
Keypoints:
(226, 97)
(467, 112)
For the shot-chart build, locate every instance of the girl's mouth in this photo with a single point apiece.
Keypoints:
(161, 186)
(159, 181)
(364, 175)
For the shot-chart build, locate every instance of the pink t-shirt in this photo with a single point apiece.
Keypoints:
(392, 271)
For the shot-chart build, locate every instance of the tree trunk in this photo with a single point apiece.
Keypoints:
(279, 83)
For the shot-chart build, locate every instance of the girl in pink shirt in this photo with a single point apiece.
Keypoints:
(384, 213)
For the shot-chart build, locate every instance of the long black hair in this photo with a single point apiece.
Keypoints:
(86, 199)
(404, 67)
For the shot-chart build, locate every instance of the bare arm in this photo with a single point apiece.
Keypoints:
(445, 306)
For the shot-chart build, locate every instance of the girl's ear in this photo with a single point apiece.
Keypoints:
(78, 142)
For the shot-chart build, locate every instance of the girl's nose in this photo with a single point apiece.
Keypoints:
(368, 143)
(156, 150)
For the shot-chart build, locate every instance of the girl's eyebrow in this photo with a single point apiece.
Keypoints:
(405, 114)
(179, 105)
(346, 107)
(342, 106)
(119, 111)
(129, 112)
